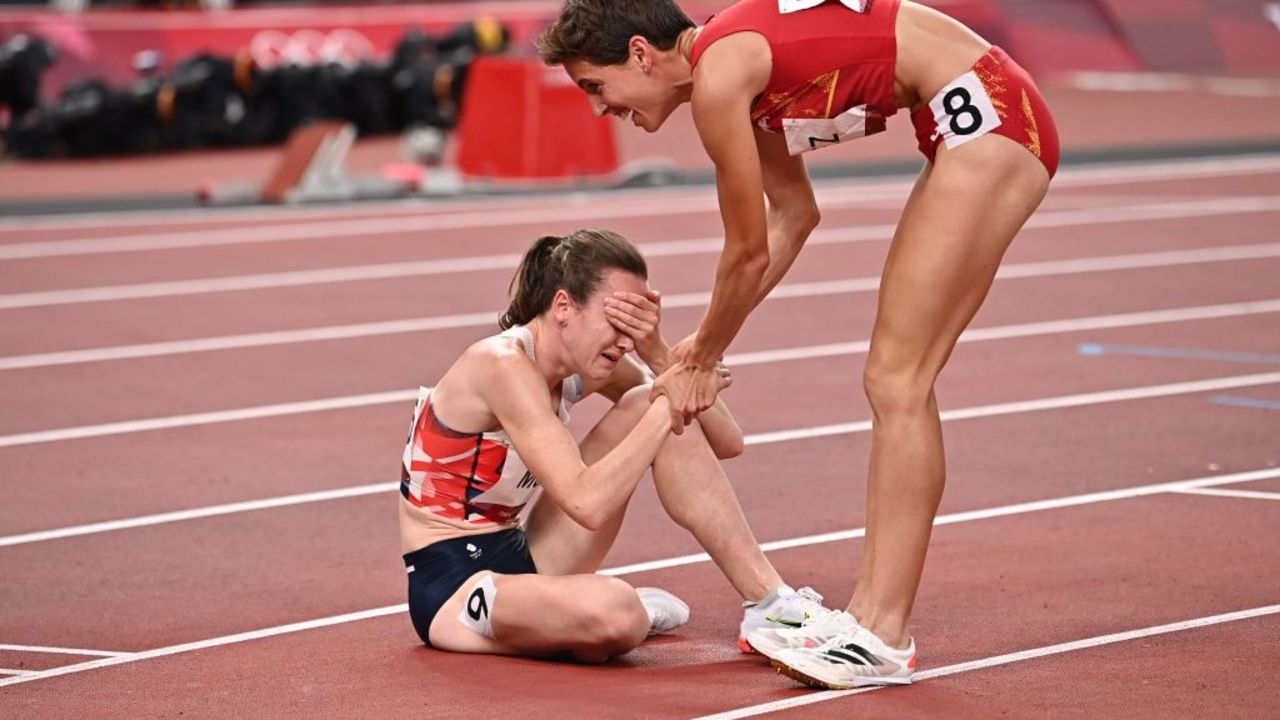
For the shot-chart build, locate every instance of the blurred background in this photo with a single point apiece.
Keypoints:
(138, 104)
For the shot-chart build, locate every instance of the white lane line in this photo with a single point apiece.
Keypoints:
(1020, 330)
(974, 515)
(396, 396)
(360, 490)
(1014, 408)
(453, 266)
(363, 228)
(1153, 171)
(1006, 659)
(6, 671)
(1129, 82)
(197, 513)
(204, 644)
(209, 418)
(147, 219)
(1247, 494)
(481, 319)
(1233, 478)
(61, 650)
(428, 209)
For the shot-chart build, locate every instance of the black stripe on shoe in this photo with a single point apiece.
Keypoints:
(854, 654)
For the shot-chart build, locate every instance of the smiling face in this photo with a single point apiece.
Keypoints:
(593, 347)
(638, 89)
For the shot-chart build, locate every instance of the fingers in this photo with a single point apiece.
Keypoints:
(628, 323)
(677, 420)
(632, 314)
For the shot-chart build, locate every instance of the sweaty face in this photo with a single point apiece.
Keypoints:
(625, 91)
(593, 344)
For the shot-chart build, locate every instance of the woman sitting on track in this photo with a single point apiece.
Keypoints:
(491, 433)
(768, 80)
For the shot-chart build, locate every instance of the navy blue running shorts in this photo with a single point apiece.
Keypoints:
(439, 569)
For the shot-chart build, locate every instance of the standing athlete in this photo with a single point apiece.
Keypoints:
(769, 80)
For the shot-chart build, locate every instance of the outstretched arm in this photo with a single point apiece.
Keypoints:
(793, 213)
(731, 73)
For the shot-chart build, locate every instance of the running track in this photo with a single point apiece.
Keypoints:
(203, 410)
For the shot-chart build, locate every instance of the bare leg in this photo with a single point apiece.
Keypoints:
(561, 546)
(694, 490)
(962, 216)
(590, 617)
(696, 494)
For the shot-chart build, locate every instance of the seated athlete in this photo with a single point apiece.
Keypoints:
(489, 441)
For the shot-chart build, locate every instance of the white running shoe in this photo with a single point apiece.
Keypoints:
(666, 611)
(812, 632)
(853, 660)
(790, 609)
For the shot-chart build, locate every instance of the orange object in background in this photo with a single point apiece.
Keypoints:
(522, 119)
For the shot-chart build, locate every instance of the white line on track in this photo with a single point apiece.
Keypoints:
(398, 396)
(363, 228)
(796, 434)
(1007, 659)
(60, 650)
(197, 513)
(973, 515)
(1098, 175)
(6, 671)
(1070, 501)
(467, 320)
(1246, 494)
(1021, 330)
(209, 418)
(453, 266)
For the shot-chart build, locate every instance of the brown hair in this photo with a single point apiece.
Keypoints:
(575, 262)
(598, 30)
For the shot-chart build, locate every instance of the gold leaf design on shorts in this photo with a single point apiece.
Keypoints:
(1033, 131)
(993, 81)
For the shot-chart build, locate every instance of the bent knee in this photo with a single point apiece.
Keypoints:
(635, 400)
(615, 621)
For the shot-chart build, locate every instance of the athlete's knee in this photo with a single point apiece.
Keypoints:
(635, 401)
(615, 621)
(632, 405)
(895, 387)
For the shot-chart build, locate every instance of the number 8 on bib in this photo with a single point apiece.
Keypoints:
(962, 111)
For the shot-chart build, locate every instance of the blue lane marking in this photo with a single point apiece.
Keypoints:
(1095, 349)
(1246, 402)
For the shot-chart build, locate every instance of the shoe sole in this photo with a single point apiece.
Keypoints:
(813, 682)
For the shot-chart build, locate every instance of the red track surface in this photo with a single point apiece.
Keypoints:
(1018, 580)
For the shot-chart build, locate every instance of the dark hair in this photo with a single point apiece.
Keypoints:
(575, 262)
(598, 30)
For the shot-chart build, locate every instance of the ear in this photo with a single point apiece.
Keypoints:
(640, 50)
(562, 306)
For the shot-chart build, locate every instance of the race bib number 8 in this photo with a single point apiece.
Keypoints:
(963, 111)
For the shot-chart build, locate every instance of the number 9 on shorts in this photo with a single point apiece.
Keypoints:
(962, 111)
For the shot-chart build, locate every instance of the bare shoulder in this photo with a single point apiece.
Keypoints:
(740, 62)
(495, 359)
(492, 371)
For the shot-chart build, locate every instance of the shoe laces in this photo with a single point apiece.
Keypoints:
(810, 602)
